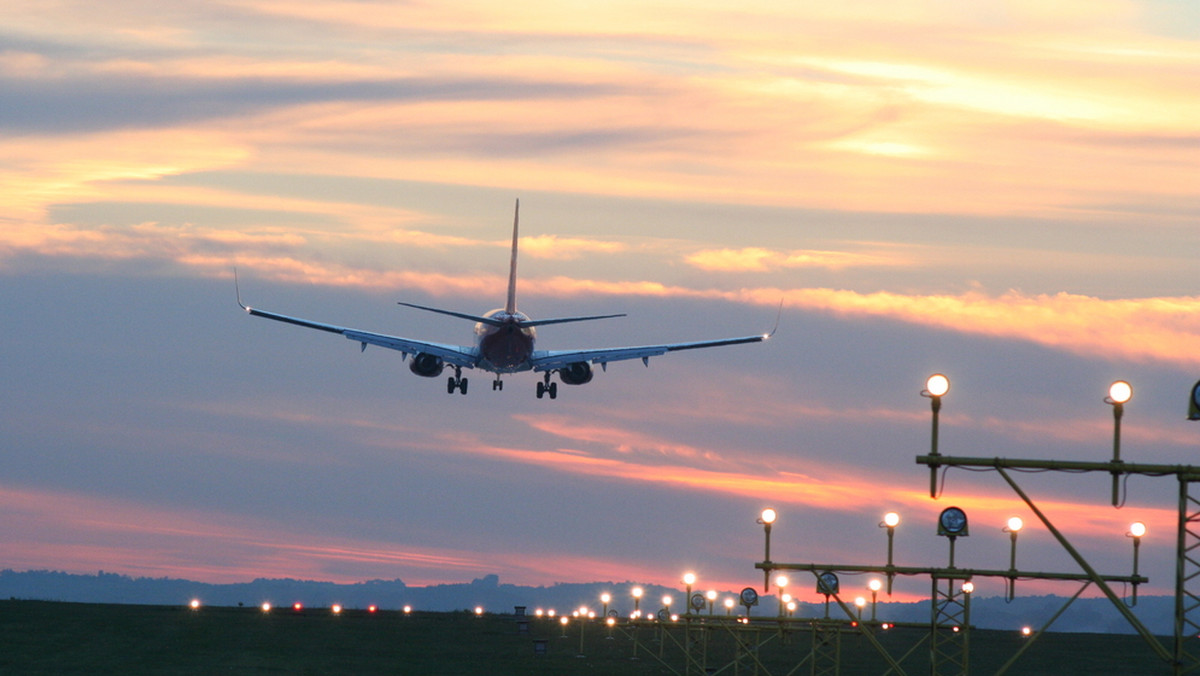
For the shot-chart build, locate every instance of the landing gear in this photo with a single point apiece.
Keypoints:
(546, 387)
(456, 382)
(497, 384)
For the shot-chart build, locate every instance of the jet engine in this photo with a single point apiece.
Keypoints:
(426, 365)
(576, 373)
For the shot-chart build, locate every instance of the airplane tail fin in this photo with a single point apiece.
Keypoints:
(510, 306)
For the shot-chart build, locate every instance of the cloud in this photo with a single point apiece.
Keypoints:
(1139, 329)
(759, 259)
(114, 533)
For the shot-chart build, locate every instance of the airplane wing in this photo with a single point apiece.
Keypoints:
(549, 360)
(455, 355)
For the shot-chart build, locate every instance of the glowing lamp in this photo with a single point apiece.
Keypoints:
(1137, 529)
(195, 604)
(689, 579)
(337, 609)
(1120, 392)
(937, 385)
(266, 607)
(1015, 524)
(768, 516)
(891, 519)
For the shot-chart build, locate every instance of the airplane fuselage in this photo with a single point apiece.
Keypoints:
(508, 347)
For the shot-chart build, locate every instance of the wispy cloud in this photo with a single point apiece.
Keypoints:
(759, 259)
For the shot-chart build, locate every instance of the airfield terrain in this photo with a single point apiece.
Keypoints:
(38, 637)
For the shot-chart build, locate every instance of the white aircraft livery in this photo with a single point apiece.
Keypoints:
(504, 343)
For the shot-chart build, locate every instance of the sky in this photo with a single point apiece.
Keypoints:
(1002, 192)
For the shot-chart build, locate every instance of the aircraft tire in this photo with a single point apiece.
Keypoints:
(451, 385)
(541, 390)
(462, 386)
(553, 389)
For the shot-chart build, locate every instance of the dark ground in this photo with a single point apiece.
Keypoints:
(38, 637)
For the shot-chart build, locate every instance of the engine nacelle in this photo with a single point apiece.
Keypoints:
(426, 365)
(576, 373)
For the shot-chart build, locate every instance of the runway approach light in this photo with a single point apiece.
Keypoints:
(195, 604)
(937, 385)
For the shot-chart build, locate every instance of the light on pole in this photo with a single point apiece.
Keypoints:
(874, 585)
(935, 388)
(890, 521)
(1014, 526)
(766, 519)
(637, 600)
(689, 579)
(781, 583)
(1136, 530)
(1119, 393)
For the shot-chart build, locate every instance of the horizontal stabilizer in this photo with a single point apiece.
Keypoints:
(461, 315)
(564, 320)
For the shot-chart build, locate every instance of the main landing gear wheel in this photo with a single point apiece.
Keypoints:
(456, 382)
(547, 388)
(497, 384)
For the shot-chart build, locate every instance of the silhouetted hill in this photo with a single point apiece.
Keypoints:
(1092, 615)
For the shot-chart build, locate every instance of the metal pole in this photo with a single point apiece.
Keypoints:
(935, 403)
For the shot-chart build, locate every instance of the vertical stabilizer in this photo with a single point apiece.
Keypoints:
(510, 306)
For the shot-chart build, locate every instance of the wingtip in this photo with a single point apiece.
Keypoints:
(778, 314)
(238, 291)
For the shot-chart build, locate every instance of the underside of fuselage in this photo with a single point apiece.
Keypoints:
(505, 348)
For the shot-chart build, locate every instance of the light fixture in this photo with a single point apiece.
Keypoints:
(952, 522)
(935, 388)
(1137, 530)
(1119, 393)
(827, 583)
(937, 385)
(766, 519)
(890, 521)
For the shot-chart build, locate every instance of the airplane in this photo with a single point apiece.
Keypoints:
(504, 343)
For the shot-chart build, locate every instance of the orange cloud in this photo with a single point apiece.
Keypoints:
(758, 259)
(1140, 329)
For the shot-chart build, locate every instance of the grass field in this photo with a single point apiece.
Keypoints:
(39, 637)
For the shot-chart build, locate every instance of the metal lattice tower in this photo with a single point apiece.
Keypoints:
(826, 648)
(1187, 576)
(951, 628)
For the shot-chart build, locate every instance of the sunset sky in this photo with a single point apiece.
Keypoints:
(1003, 192)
